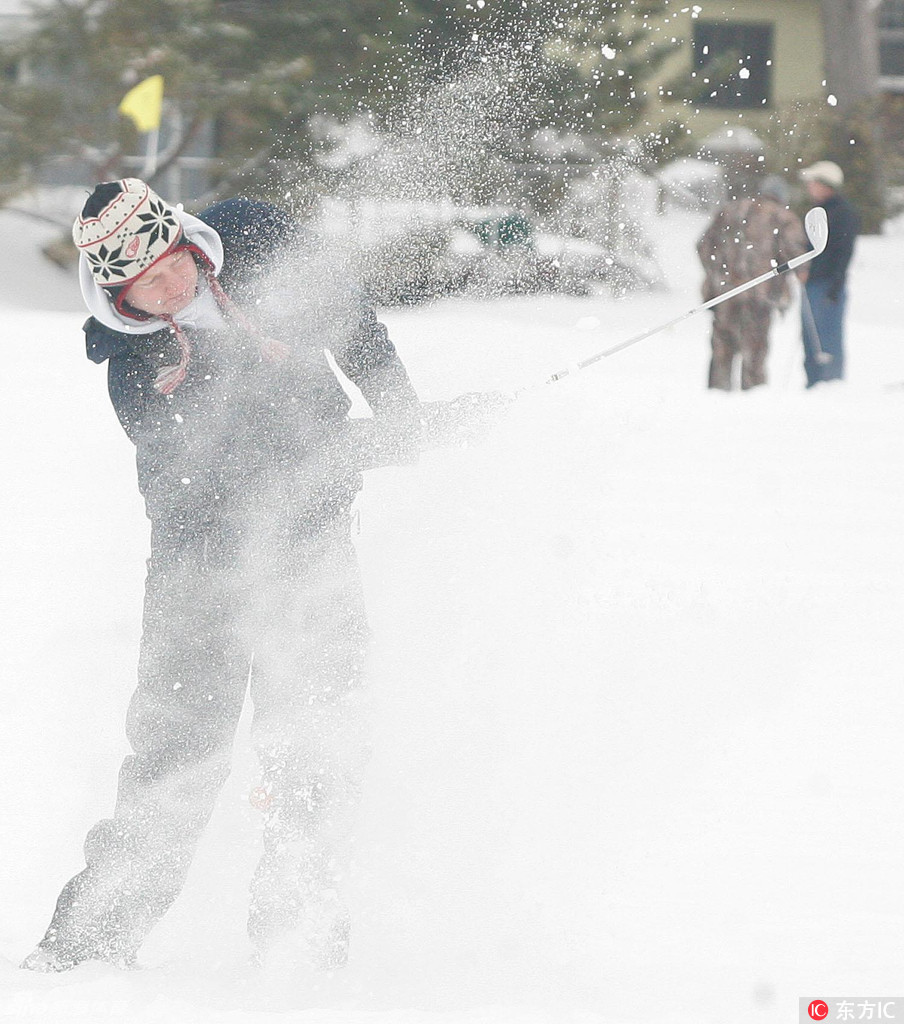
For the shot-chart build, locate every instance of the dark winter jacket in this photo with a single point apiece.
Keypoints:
(239, 426)
(844, 225)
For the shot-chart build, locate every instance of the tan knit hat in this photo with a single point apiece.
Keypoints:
(826, 172)
(123, 229)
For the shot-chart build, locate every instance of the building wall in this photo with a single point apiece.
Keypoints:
(797, 70)
(891, 47)
(13, 17)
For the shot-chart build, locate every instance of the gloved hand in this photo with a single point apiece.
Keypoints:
(464, 420)
(383, 441)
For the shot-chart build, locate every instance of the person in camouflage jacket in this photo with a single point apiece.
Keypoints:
(746, 238)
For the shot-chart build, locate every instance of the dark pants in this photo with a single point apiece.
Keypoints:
(823, 332)
(288, 605)
(740, 327)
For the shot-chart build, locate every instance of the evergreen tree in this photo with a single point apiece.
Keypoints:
(510, 99)
(256, 70)
(578, 65)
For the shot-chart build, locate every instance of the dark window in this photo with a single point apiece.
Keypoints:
(891, 14)
(891, 39)
(891, 57)
(738, 60)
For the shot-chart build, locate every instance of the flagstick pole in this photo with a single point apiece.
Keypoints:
(150, 153)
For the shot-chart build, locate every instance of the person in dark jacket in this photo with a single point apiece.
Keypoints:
(824, 297)
(214, 330)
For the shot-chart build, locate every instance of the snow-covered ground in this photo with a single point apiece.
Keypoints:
(638, 676)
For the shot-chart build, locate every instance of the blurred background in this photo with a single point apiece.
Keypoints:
(480, 146)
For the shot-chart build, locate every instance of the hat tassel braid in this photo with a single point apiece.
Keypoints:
(170, 377)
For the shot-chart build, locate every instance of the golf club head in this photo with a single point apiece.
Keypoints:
(816, 224)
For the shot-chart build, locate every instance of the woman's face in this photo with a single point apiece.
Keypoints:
(168, 287)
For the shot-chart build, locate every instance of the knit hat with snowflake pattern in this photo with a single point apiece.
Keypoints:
(125, 228)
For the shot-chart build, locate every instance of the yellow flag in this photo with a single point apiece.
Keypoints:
(143, 103)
